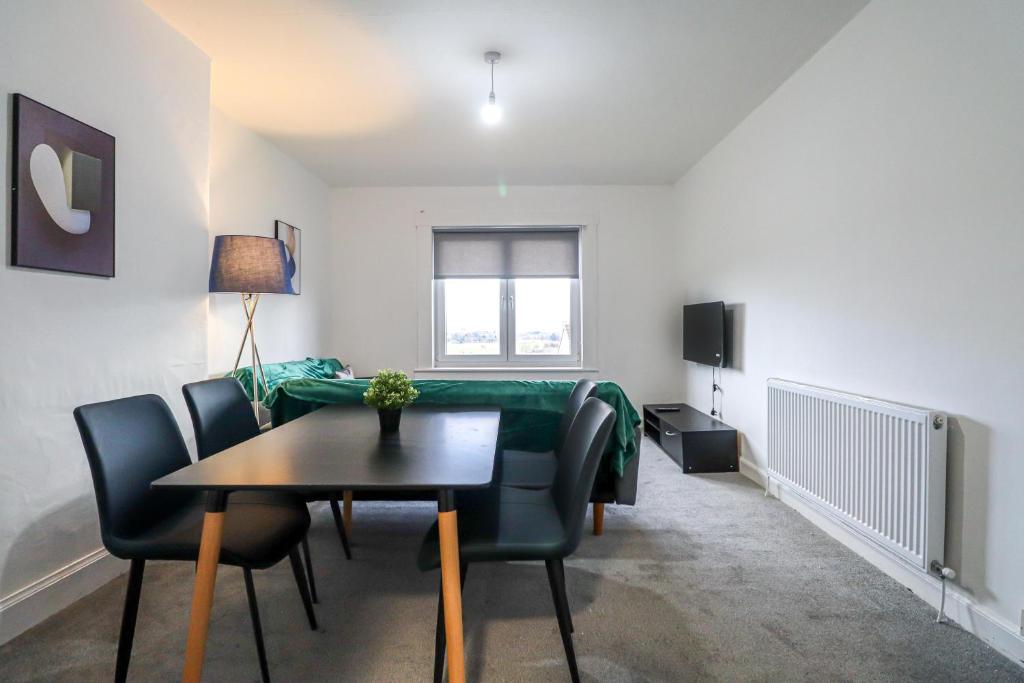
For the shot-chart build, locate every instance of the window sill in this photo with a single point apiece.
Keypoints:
(485, 369)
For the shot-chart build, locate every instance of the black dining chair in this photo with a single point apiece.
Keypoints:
(507, 524)
(130, 443)
(528, 470)
(222, 417)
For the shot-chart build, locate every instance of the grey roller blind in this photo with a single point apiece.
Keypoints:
(506, 252)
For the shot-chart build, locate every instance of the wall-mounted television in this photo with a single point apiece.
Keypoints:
(704, 333)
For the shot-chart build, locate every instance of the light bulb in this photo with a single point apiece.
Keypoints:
(491, 112)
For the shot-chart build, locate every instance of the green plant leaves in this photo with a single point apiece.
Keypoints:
(389, 390)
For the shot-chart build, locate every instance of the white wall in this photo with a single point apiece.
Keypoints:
(67, 339)
(867, 220)
(376, 288)
(252, 184)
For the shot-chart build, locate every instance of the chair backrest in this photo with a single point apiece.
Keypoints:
(577, 466)
(130, 443)
(221, 413)
(583, 390)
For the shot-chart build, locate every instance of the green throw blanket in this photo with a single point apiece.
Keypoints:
(311, 368)
(530, 410)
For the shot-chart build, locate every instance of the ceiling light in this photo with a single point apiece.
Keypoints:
(491, 112)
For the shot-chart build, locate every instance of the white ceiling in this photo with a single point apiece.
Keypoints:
(388, 92)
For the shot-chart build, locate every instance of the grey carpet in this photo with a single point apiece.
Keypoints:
(704, 580)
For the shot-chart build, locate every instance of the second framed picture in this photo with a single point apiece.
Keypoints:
(292, 238)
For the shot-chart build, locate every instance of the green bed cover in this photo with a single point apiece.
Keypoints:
(530, 409)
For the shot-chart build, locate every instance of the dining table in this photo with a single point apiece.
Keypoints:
(442, 449)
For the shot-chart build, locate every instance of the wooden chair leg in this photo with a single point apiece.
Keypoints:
(309, 570)
(439, 636)
(598, 519)
(257, 628)
(128, 618)
(300, 580)
(562, 612)
(340, 524)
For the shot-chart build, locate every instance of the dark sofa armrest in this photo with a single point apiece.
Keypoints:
(609, 487)
(625, 486)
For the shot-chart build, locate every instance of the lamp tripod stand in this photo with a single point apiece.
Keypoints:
(249, 302)
(250, 266)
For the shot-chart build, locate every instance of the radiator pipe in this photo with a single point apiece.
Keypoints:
(944, 573)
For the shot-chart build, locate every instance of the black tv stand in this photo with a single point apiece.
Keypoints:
(697, 442)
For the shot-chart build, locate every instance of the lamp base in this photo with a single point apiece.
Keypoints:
(249, 302)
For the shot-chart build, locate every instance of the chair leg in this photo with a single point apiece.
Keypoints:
(336, 511)
(562, 612)
(346, 510)
(565, 595)
(128, 617)
(309, 569)
(257, 628)
(300, 580)
(439, 636)
(439, 643)
(598, 519)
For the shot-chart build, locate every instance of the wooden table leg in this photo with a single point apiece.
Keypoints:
(598, 519)
(346, 511)
(448, 532)
(202, 593)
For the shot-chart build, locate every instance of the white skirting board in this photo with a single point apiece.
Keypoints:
(28, 606)
(960, 608)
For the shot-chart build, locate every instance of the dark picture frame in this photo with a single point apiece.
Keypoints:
(292, 238)
(62, 192)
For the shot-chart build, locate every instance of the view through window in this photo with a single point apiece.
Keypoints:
(473, 317)
(543, 316)
(487, 318)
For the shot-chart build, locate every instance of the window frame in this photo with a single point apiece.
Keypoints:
(508, 358)
(424, 221)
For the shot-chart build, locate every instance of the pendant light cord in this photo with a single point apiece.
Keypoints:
(492, 78)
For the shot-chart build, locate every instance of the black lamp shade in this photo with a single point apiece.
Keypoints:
(249, 265)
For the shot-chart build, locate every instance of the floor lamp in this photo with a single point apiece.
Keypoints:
(250, 266)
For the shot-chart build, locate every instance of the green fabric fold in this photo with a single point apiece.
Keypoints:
(311, 368)
(531, 409)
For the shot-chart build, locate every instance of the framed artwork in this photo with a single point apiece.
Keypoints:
(62, 194)
(292, 238)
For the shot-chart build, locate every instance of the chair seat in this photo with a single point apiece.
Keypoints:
(528, 470)
(257, 535)
(501, 524)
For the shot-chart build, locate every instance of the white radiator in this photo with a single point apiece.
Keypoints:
(877, 467)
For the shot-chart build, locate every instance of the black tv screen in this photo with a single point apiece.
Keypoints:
(704, 333)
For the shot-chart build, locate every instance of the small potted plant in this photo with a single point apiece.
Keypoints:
(389, 392)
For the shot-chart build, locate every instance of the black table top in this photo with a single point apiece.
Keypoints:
(341, 447)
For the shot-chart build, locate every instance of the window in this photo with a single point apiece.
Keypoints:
(506, 297)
